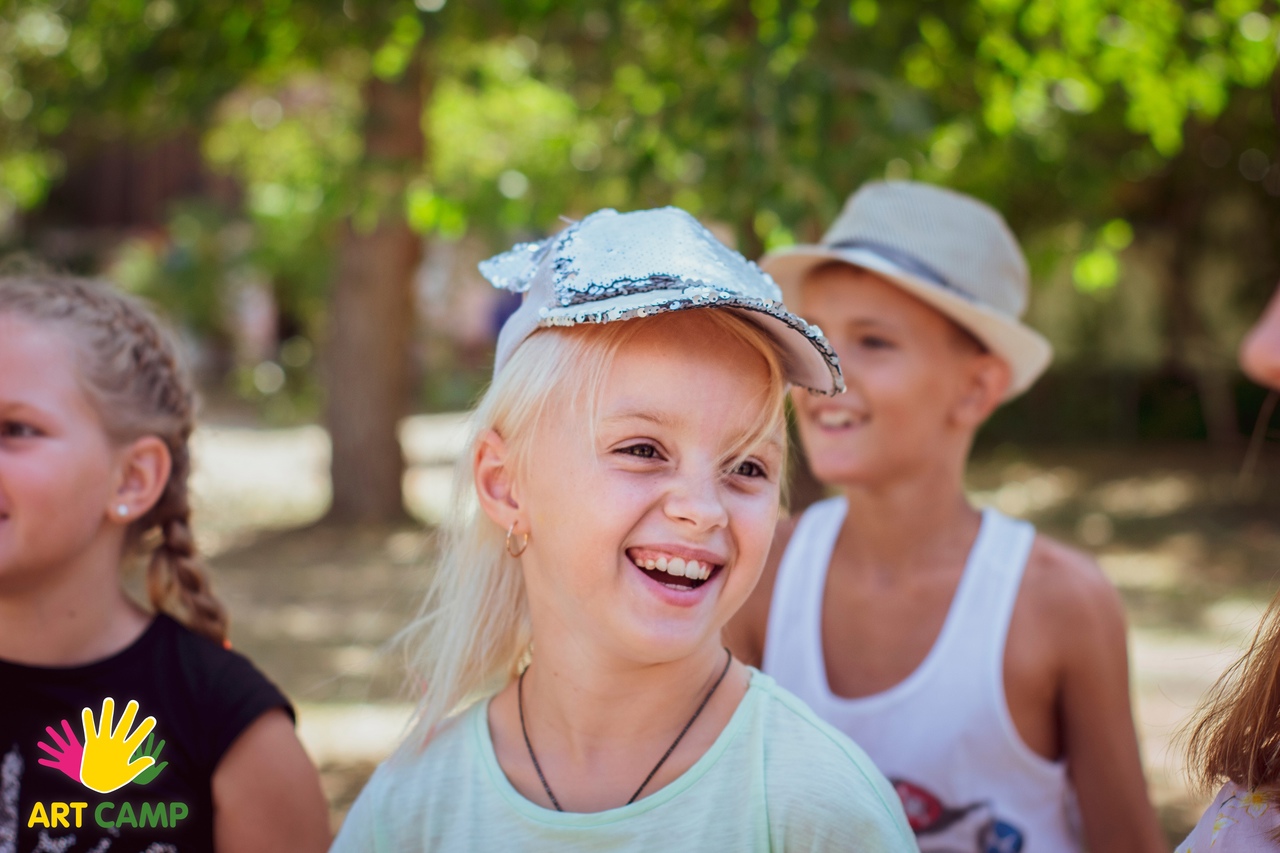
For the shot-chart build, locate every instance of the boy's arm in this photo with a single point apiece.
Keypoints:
(1098, 737)
(745, 632)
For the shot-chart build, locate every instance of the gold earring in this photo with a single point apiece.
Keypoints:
(523, 545)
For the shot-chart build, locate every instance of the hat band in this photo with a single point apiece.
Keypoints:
(906, 262)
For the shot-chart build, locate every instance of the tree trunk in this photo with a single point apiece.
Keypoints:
(371, 317)
(1191, 347)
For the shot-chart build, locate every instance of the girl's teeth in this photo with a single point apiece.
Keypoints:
(828, 418)
(678, 567)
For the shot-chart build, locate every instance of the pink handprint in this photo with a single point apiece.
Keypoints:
(67, 756)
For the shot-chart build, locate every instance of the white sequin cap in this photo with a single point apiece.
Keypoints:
(618, 266)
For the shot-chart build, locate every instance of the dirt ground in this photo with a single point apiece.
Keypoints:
(1191, 547)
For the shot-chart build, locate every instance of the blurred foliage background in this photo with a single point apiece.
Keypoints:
(306, 186)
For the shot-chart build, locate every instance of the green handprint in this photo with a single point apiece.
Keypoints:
(107, 764)
(145, 750)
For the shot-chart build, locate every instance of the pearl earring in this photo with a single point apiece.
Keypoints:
(122, 510)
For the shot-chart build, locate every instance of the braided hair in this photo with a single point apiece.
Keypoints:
(130, 370)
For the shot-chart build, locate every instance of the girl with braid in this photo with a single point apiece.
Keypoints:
(120, 730)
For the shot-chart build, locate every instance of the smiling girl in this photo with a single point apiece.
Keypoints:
(616, 507)
(95, 413)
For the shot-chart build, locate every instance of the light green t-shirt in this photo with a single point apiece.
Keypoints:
(777, 778)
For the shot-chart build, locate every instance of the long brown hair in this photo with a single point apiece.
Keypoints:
(130, 369)
(1235, 734)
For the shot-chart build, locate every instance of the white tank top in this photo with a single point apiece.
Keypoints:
(943, 735)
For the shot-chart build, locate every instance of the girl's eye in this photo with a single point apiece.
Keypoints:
(14, 429)
(874, 342)
(643, 451)
(748, 468)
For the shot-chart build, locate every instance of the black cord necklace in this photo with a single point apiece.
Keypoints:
(661, 761)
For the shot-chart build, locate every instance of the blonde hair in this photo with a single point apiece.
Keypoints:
(130, 371)
(474, 631)
(1235, 734)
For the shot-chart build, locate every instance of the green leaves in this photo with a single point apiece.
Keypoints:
(25, 176)
(393, 57)
(1098, 269)
(1162, 63)
(864, 12)
(762, 115)
(430, 213)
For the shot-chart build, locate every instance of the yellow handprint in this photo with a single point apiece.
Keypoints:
(106, 765)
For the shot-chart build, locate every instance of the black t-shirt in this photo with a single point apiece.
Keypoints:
(201, 697)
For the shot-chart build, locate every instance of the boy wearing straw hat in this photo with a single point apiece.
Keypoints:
(982, 666)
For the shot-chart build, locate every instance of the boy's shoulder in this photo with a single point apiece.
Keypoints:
(1067, 622)
(1065, 588)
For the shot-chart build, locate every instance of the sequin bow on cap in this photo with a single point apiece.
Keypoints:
(618, 266)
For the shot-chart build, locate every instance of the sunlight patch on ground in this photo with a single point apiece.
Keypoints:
(428, 492)
(1028, 489)
(261, 479)
(351, 733)
(247, 480)
(1235, 619)
(433, 439)
(1148, 570)
(1149, 496)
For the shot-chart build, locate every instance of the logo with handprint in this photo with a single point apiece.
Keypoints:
(110, 758)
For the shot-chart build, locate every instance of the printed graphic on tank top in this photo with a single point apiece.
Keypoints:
(117, 756)
(941, 828)
(943, 735)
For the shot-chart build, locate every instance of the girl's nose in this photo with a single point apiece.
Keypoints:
(696, 499)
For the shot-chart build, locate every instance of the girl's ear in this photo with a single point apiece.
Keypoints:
(144, 468)
(491, 467)
(987, 382)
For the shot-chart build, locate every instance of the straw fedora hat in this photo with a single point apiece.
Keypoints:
(949, 250)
